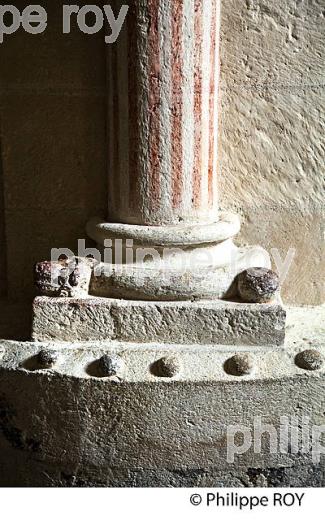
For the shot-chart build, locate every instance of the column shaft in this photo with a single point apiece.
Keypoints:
(163, 113)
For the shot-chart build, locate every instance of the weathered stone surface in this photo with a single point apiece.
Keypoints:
(105, 435)
(239, 365)
(191, 277)
(145, 430)
(71, 320)
(110, 366)
(226, 225)
(198, 323)
(272, 84)
(309, 359)
(168, 366)
(47, 358)
(258, 285)
(157, 197)
(166, 171)
(69, 277)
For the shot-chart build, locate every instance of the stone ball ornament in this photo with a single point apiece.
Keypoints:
(166, 367)
(47, 358)
(258, 285)
(111, 366)
(309, 359)
(239, 365)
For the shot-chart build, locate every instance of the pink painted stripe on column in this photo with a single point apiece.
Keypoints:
(198, 29)
(154, 105)
(212, 102)
(177, 103)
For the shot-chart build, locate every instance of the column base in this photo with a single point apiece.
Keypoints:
(158, 281)
(171, 262)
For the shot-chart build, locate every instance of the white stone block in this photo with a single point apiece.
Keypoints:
(202, 322)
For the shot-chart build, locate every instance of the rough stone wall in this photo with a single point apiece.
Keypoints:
(273, 122)
(52, 116)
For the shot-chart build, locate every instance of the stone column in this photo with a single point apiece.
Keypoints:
(162, 153)
(90, 354)
(163, 113)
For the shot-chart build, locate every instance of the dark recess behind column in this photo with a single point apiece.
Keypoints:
(3, 256)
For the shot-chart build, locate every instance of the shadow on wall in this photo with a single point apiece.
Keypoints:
(53, 138)
(3, 259)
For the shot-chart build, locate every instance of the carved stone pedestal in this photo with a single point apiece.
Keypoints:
(116, 413)
(143, 356)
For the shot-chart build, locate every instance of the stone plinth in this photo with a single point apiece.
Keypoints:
(196, 323)
(70, 426)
